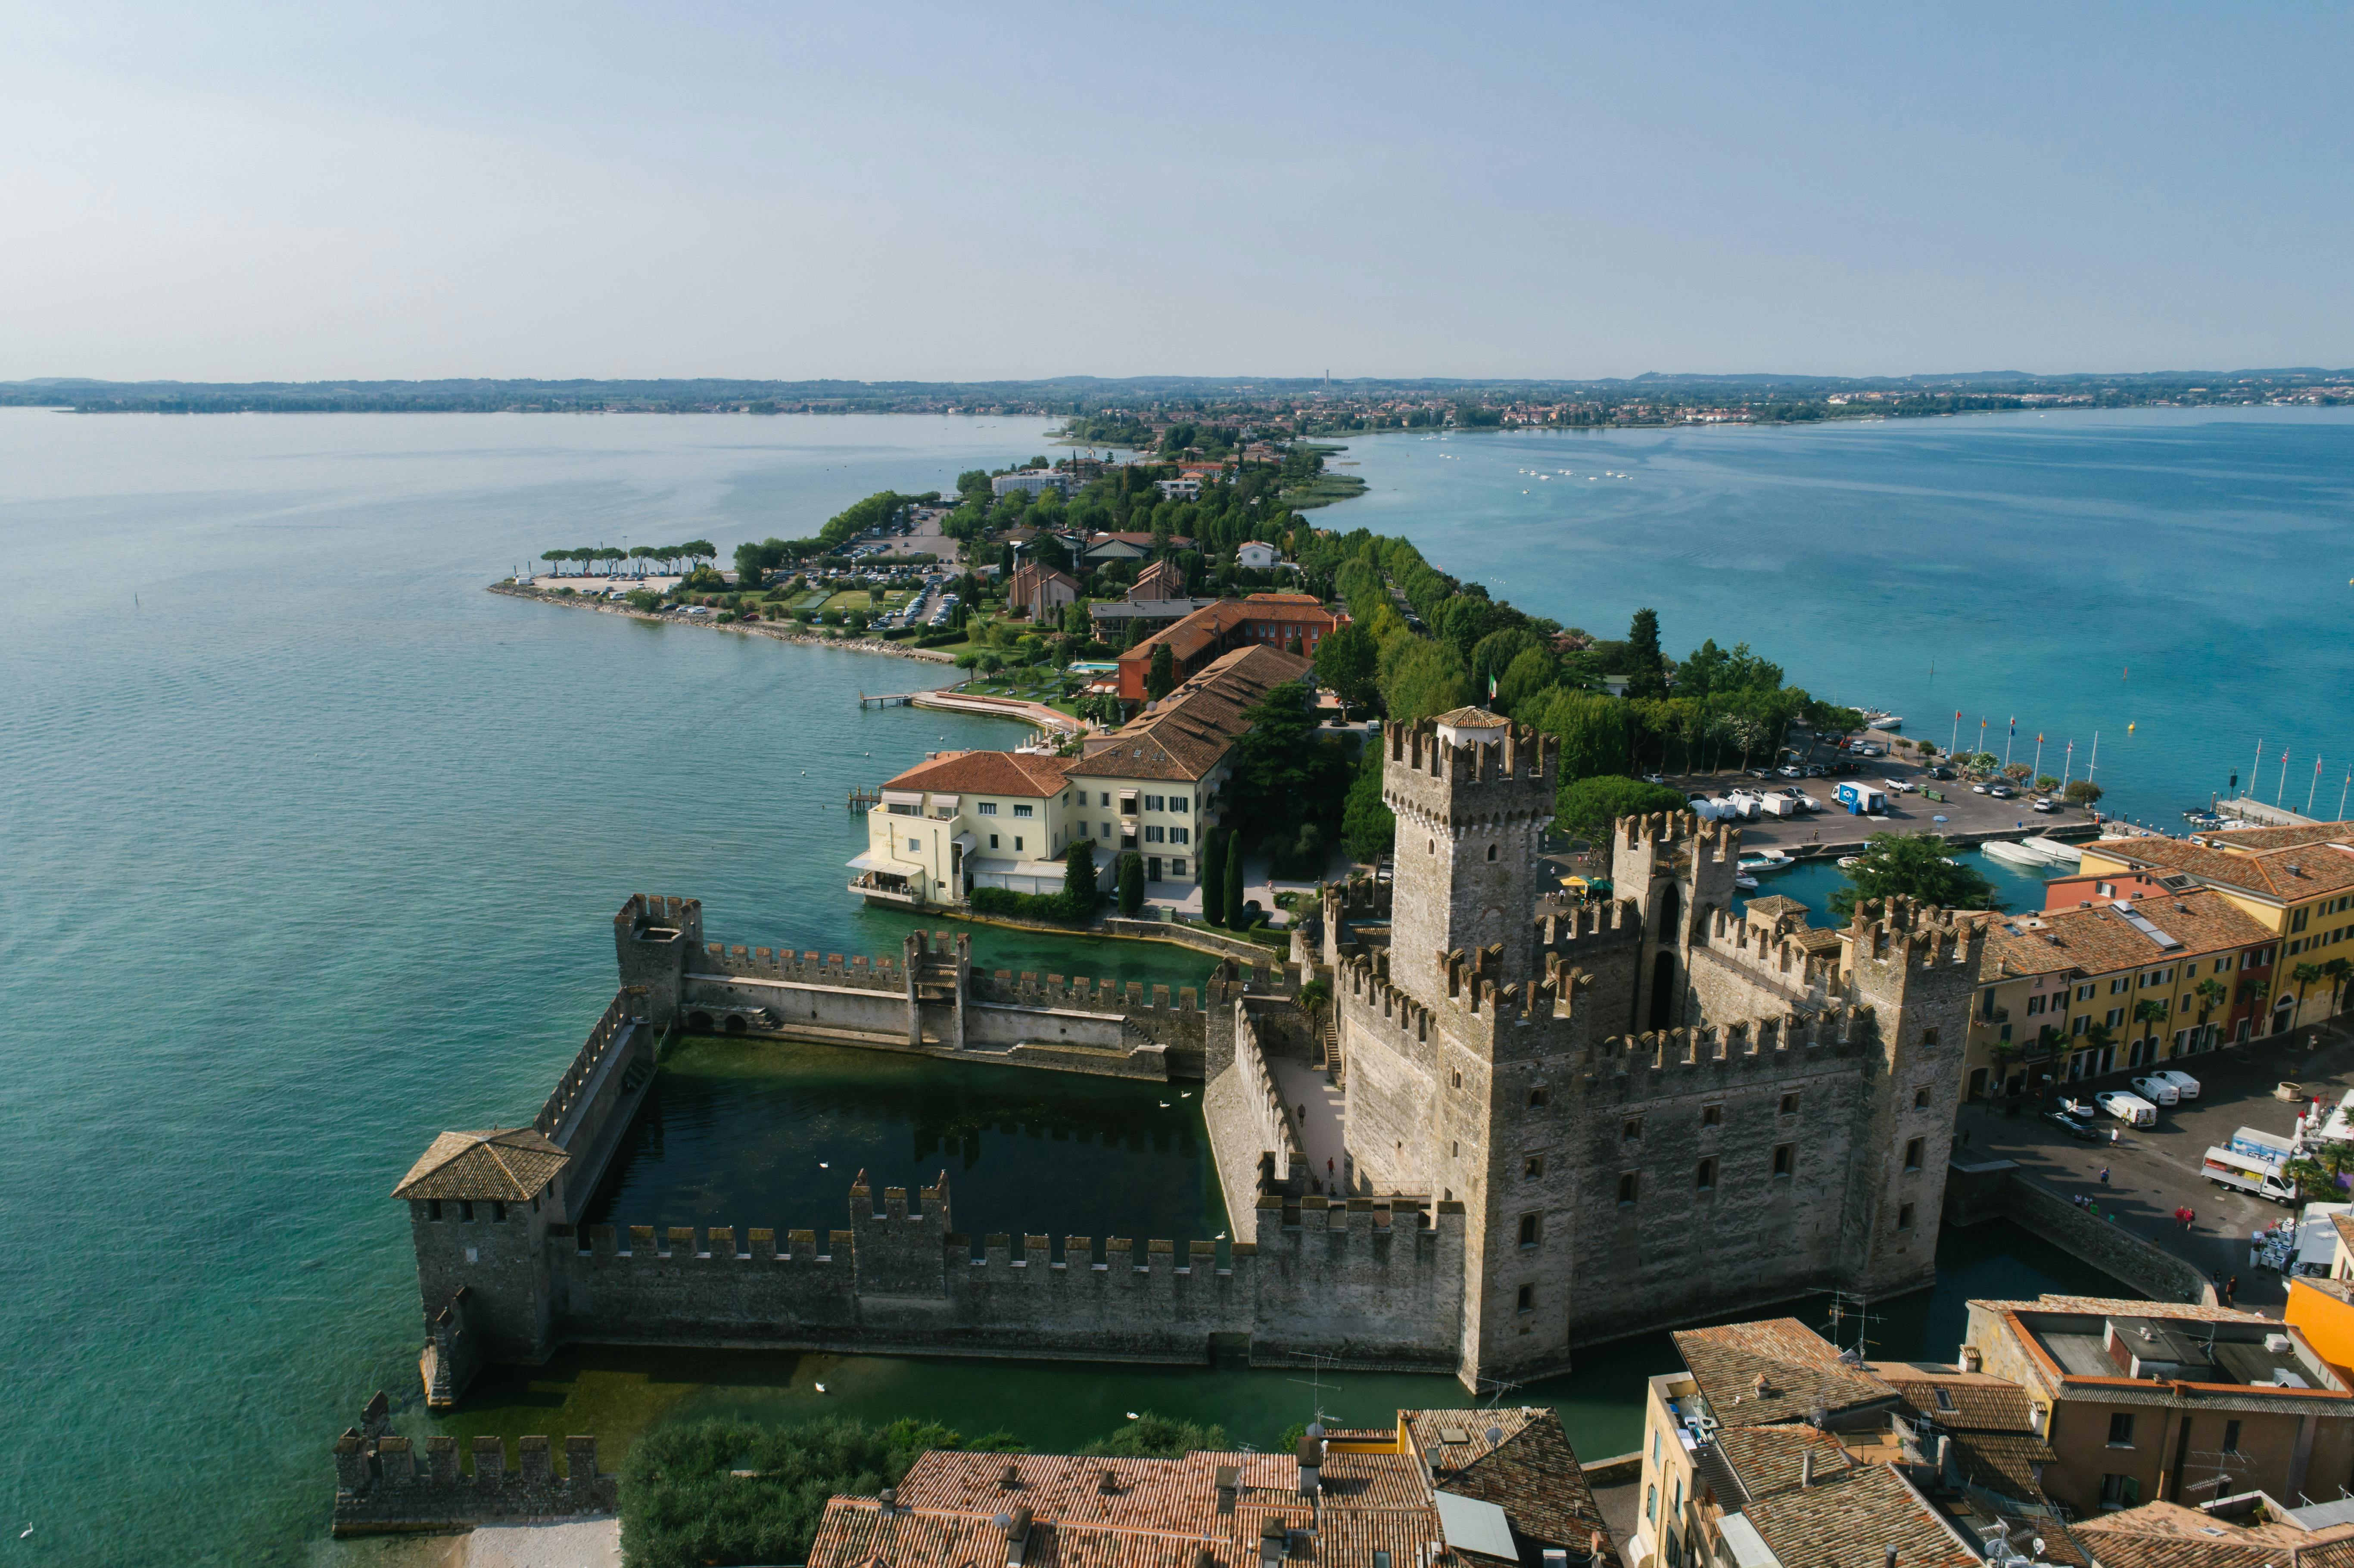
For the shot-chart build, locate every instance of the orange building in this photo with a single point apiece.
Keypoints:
(1264, 619)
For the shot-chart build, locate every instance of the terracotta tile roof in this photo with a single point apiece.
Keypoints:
(1801, 1369)
(1473, 717)
(1852, 1520)
(515, 1165)
(1532, 1474)
(2168, 1535)
(2111, 1307)
(1973, 1401)
(1202, 629)
(2281, 838)
(1161, 579)
(986, 773)
(1188, 732)
(2322, 867)
(2098, 940)
(1770, 1459)
(2010, 1463)
(1153, 1513)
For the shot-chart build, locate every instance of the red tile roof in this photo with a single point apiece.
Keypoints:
(986, 773)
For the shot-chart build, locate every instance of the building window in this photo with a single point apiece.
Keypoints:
(1177, 866)
(993, 841)
(1531, 1229)
(2085, 992)
(2296, 920)
(1181, 803)
(1712, 1115)
(2117, 986)
(1631, 1129)
(1532, 1167)
(2084, 1021)
(986, 808)
(465, 1210)
(1786, 1158)
(1629, 1184)
(2231, 1436)
(1539, 1097)
(1706, 1178)
(1492, 852)
(1929, 1038)
(1790, 1105)
(1905, 1217)
(1458, 1078)
(1152, 802)
(915, 846)
(1920, 1099)
(1154, 834)
(1023, 809)
(2121, 1429)
(1913, 1152)
(1651, 1504)
(1528, 1299)
(1017, 843)
(1181, 835)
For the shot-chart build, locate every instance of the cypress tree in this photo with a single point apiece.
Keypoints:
(1233, 900)
(1132, 883)
(1214, 878)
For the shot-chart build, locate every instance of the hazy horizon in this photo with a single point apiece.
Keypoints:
(247, 193)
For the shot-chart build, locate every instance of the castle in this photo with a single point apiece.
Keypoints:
(1563, 1123)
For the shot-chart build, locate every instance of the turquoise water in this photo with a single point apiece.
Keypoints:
(313, 848)
(1812, 883)
(2184, 572)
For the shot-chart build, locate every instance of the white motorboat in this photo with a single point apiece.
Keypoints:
(1744, 881)
(2012, 854)
(1764, 859)
(1849, 861)
(1884, 721)
(2051, 850)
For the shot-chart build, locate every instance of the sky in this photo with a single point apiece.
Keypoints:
(229, 191)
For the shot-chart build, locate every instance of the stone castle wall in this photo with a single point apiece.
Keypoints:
(382, 1488)
(1377, 1288)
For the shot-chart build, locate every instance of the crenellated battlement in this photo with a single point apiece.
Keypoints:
(380, 1487)
(1899, 932)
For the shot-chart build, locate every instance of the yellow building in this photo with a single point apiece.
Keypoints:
(2296, 883)
(2108, 983)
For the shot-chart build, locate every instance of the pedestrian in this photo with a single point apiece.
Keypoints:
(1328, 1168)
(1966, 1141)
(2105, 1169)
(2231, 1289)
(1303, 1116)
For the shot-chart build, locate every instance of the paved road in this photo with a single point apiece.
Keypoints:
(2154, 1171)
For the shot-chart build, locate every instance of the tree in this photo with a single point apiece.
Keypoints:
(1280, 771)
(1424, 679)
(1645, 665)
(2212, 994)
(1531, 672)
(1132, 883)
(2045, 783)
(1151, 1436)
(1079, 875)
(737, 1492)
(2082, 792)
(1161, 676)
(1214, 878)
(1593, 730)
(699, 550)
(2337, 969)
(1347, 665)
(2149, 1013)
(1916, 866)
(2254, 992)
(1368, 829)
(1236, 915)
(1586, 808)
(2306, 976)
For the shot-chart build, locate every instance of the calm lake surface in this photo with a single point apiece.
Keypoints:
(313, 848)
(2184, 572)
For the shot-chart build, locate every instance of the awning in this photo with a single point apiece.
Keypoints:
(864, 862)
(903, 797)
(947, 805)
(963, 841)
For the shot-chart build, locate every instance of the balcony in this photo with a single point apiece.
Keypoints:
(882, 887)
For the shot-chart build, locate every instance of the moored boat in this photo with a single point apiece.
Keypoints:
(2012, 854)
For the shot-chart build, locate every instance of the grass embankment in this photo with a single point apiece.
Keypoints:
(1323, 491)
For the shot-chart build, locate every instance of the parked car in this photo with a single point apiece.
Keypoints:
(1756, 773)
(2002, 791)
(1941, 772)
(1654, 779)
(1814, 770)
(2157, 1089)
(2083, 1132)
(2184, 1084)
(2043, 803)
(1896, 785)
(2125, 1107)
(1977, 788)
(1788, 771)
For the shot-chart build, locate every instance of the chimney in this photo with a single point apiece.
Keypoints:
(1971, 1359)
(1228, 1476)
(1807, 1467)
(1312, 1461)
(1892, 1557)
(1016, 1526)
(888, 1501)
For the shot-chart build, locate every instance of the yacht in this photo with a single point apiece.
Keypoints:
(2012, 854)
(2056, 853)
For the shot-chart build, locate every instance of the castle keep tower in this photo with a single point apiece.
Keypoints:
(1472, 793)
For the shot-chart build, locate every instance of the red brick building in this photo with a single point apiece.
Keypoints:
(1265, 620)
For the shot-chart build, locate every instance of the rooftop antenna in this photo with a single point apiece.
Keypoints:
(1498, 1387)
(1856, 1309)
(1315, 1381)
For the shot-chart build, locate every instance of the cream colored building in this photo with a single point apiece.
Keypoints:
(962, 819)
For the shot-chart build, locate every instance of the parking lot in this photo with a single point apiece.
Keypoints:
(1970, 817)
(2155, 1170)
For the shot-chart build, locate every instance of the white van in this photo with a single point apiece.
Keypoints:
(2157, 1089)
(2184, 1084)
(2130, 1108)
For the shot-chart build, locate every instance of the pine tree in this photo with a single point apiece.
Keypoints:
(1214, 878)
(1234, 901)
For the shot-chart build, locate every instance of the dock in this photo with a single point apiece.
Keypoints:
(865, 800)
(1038, 714)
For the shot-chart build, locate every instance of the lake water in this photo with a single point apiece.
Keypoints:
(2182, 572)
(312, 847)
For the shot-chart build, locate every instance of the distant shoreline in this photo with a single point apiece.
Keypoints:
(768, 628)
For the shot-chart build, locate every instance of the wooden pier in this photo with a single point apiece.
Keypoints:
(899, 699)
(865, 800)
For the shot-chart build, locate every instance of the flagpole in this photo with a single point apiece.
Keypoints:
(2039, 754)
(1956, 740)
(2009, 741)
(2342, 793)
(2312, 787)
(2256, 767)
(2282, 788)
(2092, 763)
(2068, 767)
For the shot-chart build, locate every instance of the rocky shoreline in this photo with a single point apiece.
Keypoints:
(782, 632)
